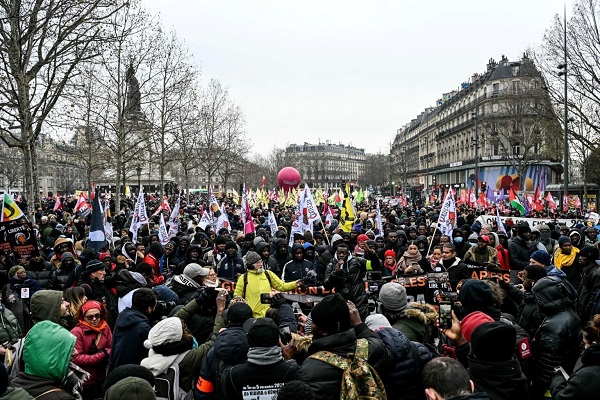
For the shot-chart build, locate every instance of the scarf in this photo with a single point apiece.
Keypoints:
(392, 267)
(433, 262)
(186, 281)
(407, 260)
(98, 328)
(568, 259)
(264, 355)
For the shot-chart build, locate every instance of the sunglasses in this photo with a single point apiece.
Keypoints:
(93, 317)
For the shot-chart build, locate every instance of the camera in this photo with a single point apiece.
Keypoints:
(265, 298)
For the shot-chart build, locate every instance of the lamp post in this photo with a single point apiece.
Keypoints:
(563, 72)
(476, 144)
(405, 167)
(138, 169)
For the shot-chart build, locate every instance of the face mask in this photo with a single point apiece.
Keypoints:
(544, 236)
(458, 239)
(472, 244)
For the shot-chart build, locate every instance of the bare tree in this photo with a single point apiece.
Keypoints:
(42, 42)
(377, 168)
(235, 145)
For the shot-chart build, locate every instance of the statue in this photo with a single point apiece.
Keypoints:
(133, 94)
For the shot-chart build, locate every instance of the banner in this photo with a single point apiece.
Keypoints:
(19, 239)
(447, 215)
(308, 203)
(378, 223)
(488, 219)
(163, 235)
(272, 223)
(174, 219)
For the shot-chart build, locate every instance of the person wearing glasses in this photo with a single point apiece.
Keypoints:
(92, 348)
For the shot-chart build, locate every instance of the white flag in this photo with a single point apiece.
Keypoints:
(378, 221)
(244, 201)
(501, 227)
(312, 211)
(272, 223)
(141, 210)
(447, 216)
(298, 225)
(174, 219)
(204, 221)
(163, 235)
(223, 220)
(108, 232)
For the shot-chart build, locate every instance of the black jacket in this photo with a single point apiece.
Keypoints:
(590, 282)
(281, 255)
(131, 329)
(556, 343)
(36, 386)
(228, 268)
(294, 270)
(324, 379)
(349, 281)
(40, 272)
(500, 380)
(519, 253)
(529, 317)
(402, 380)
(61, 279)
(457, 271)
(584, 383)
(184, 287)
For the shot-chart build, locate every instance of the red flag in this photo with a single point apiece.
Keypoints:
(57, 204)
(404, 203)
(537, 200)
(565, 203)
(512, 195)
(550, 202)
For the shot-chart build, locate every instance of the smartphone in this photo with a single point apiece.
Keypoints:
(445, 315)
(265, 298)
(285, 334)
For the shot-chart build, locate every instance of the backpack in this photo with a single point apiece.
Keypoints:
(167, 384)
(360, 381)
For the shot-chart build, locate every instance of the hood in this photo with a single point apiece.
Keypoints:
(126, 275)
(45, 306)
(424, 313)
(62, 240)
(43, 363)
(231, 346)
(395, 342)
(130, 317)
(401, 234)
(189, 250)
(581, 237)
(552, 295)
(295, 247)
(260, 247)
(131, 388)
(496, 239)
(553, 271)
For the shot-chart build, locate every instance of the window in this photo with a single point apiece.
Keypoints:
(495, 107)
(496, 149)
(515, 87)
(496, 88)
(516, 148)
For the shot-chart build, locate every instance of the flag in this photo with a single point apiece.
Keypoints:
(57, 204)
(223, 220)
(163, 235)
(213, 205)
(501, 196)
(272, 223)
(82, 206)
(309, 204)
(565, 203)
(140, 216)
(164, 205)
(404, 202)
(515, 202)
(97, 234)
(530, 201)
(347, 214)
(328, 217)
(262, 182)
(499, 222)
(204, 220)
(236, 197)
(298, 223)
(526, 205)
(10, 209)
(489, 194)
(174, 219)
(108, 232)
(472, 199)
(246, 213)
(360, 196)
(447, 217)
(378, 223)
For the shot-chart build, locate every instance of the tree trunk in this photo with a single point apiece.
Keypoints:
(187, 185)
(118, 183)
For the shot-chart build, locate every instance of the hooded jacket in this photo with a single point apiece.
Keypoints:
(519, 252)
(280, 256)
(185, 288)
(55, 260)
(131, 329)
(583, 383)
(269, 263)
(89, 356)
(500, 380)
(46, 354)
(294, 269)
(556, 343)
(45, 306)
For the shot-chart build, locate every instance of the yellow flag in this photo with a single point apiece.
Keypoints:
(236, 197)
(347, 216)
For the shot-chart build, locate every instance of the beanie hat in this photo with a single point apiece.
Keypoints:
(336, 238)
(362, 238)
(298, 236)
(220, 240)
(493, 341)
(126, 371)
(392, 296)
(541, 256)
(14, 270)
(103, 256)
(237, 313)
(131, 388)
(66, 255)
(257, 240)
(193, 270)
(90, 305)
(590, 252)
(252, 258)
(563, 239)
(169, 330)
(472, 321)
(308, 236)
(476, 295)
(261, 332)
(523, 228)
(357, 228)
(230, 245)
(331, 314)
(390, 253)
(473, 236)
(535, 272)
(93, 266)
(377, 321)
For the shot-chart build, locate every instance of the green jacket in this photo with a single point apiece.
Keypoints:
(45, 306)
(14, 393)
(9, 326)
(47, 351)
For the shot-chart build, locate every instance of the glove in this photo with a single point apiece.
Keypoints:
(277, 300)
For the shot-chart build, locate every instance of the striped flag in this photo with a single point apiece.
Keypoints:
(10, 209)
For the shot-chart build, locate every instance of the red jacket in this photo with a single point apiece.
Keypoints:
(96, 363)
(153, 261)
(503, 258)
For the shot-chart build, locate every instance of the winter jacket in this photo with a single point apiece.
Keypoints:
(323, 261)
(324, 379)
(556, 343)
(92, 357)
(228, 268)
(55, 260)
(10, 330)
(583, 384)
(20, 308)
(457, 270)
(402, 380)
(269, 262)
(416, 322)
(349, 280)
(258, 283)
(46, 355)
(131, 329)
(14, 393)
(231, 348)
(154, 262)
(61, 279)
(529, 317)
(293, 269)
(500, 380)
(184, 287)
(40, 272)
(519, 253)
(199, 314)
(45, 306)
(572, 272)
(281, 255)
(489, 255)
(590, 283)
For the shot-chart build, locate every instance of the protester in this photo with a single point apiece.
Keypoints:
(566, 259)
(445, 379)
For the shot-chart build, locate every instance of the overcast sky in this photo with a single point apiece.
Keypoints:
(347, 71)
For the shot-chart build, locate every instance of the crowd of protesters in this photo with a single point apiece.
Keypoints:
(208, 315)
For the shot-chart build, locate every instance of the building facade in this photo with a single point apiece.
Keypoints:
(497, 129)
(327, 164)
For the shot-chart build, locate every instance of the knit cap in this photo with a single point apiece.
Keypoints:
(261, 332)
(493, 341)
(336, 237)
(523, 228)
(230, 245)
(476, 295)
(66, 255)
(362, 238)
(252, 258)
(131, 388)
(392, 296)
(541, 256)
(90, 305)
(220, 240)
(331, 314)
(377, 321)
(13, 270)
(169, 330)
(93, 266)
(472, 321)
(590, 252)
(193, 270)
(563, 239)
(257, 240)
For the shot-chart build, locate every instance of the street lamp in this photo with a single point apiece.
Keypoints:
(138, 169)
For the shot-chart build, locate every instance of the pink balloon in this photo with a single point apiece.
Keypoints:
(288, 178)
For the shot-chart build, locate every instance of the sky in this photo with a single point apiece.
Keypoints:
(352, 72)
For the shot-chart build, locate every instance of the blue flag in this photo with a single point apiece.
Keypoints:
(489, 194)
